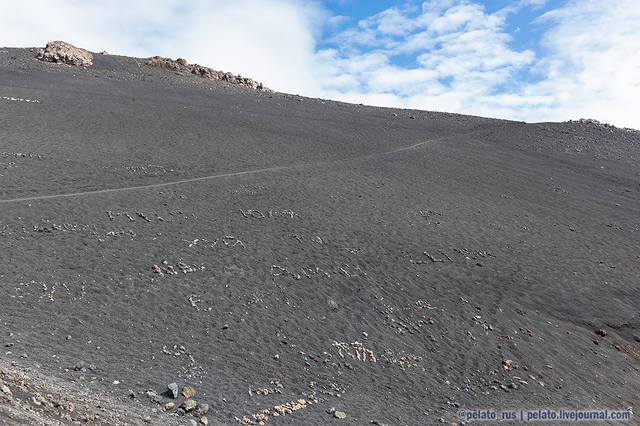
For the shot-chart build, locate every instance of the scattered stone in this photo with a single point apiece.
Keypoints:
(355, 350)
(507, 364)
(201, 409)
(84, 366)
(224, 327)
(188, 405)
(204, 420)
(65, 53)
(333, 305)
(5, 390)
(173, 390)
(339, 414)
(188, 392)
(601, 332)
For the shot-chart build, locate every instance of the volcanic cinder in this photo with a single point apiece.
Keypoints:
(303, 261)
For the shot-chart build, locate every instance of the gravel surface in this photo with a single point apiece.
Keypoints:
(299, 261)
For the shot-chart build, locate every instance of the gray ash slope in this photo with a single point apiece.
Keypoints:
(475, 258)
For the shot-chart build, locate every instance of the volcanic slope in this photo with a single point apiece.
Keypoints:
(398, 266)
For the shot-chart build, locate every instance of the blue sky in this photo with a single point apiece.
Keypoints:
(531, 60)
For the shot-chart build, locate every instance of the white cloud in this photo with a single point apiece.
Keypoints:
(592, 62)
(464, 61)
(273, 41)
(461, 53)
(447, 55)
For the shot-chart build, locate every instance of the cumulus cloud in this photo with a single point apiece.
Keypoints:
(447, 55)
(591, 63)
(465, 61)
(273, 41)
(462, 56)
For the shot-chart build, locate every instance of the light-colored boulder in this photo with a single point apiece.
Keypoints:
(65, 53)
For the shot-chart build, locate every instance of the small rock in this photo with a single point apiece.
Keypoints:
(202, 409)
(169, 406)
(5, 390)
(339, 414)
(180, 412)
(157, 399)
(204, 420)
(224, 327)
(332, 304)
(188, 392)
(601, 332)
(276, 357)
(173, 390)
(188, 405)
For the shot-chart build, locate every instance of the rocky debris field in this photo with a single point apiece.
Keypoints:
(182, 67)
(180, 251)
(27, 396)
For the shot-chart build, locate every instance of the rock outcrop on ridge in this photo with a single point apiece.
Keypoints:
(182, 67)
(65, 53)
